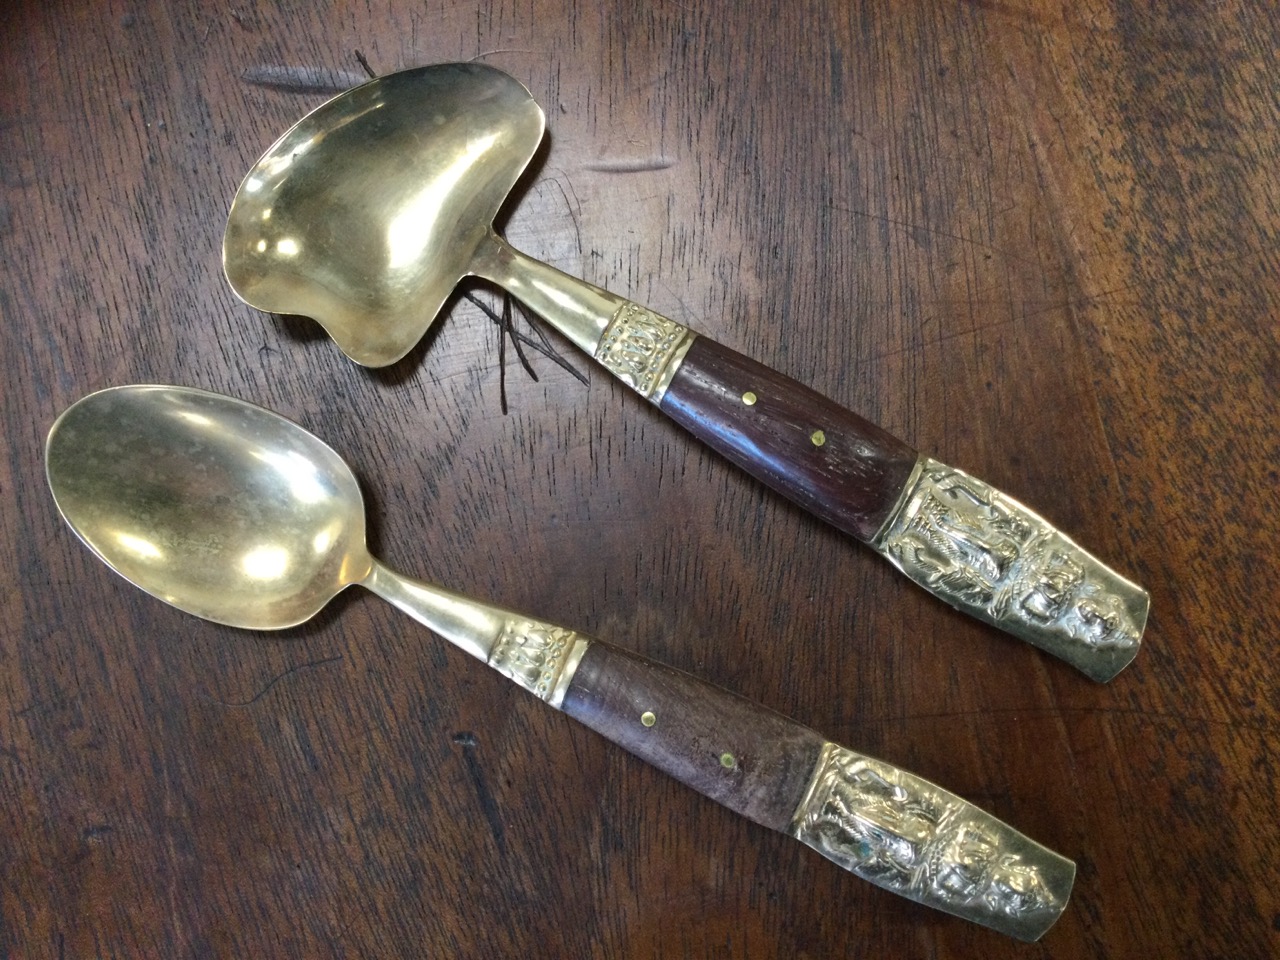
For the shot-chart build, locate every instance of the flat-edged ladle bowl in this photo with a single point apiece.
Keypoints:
(368, 212)
(235, 514)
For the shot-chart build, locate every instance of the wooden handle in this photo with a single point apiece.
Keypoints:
(876, 820)
(750, 759)
(961, 539)
(832, 462)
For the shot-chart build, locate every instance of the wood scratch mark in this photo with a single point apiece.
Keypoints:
(43, 706)
(364, 64)
(915, 347)
(96, 831)
(488, 804)
(932, 231)
(490, 53)
(301, 79)
(574, 214)
(1263, 727)
(1143, 284)
(630, 165)
(1011, 10)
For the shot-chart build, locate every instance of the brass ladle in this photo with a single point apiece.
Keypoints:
(366, 214)
(232, 513)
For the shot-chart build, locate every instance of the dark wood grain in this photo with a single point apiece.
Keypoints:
(838, 466)
(754, 761)
(1037, 240)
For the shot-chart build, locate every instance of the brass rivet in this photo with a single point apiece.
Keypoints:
(749, 399)
(727, 761)
(818, 438)
(648, 719)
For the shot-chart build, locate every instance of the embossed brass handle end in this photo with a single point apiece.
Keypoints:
(993, 558)
(908, 835)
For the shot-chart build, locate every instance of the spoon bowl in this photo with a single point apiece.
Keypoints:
(216, 506)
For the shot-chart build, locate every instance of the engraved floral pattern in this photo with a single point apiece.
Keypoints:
(638, 345)
(532, 654)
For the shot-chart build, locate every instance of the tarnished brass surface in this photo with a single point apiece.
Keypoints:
(643, 349)
(540, 657)
(910, 836)
(218, 507)
(987, 554)
(233, 513)
(369, 210)
(374, 204)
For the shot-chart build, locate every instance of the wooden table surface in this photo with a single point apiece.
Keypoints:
(1036, 240)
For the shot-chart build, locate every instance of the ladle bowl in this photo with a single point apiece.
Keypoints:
(375, 205)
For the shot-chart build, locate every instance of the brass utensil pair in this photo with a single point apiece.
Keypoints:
(364, 216)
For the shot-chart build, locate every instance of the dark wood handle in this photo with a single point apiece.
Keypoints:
(876, 820)
(752, 760)
(838, 466)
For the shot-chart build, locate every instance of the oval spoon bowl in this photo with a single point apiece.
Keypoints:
(216, 506)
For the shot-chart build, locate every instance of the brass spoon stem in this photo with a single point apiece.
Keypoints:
(468, 624)
(578, 309)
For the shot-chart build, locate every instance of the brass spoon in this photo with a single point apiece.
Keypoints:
(232, 513)
(367, 213)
